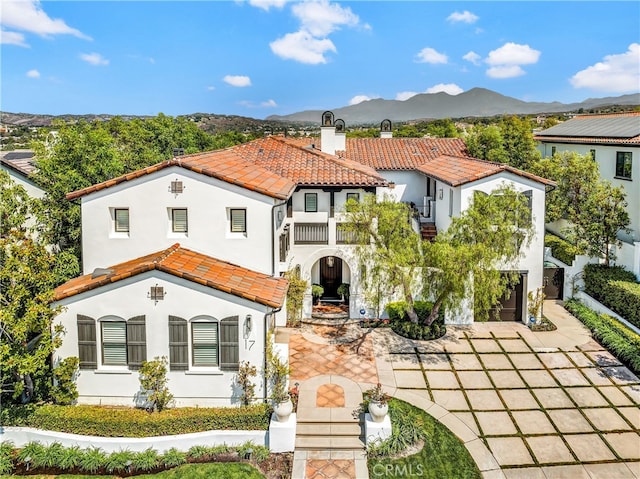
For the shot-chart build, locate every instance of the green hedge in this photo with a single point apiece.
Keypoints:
(400, 323)
(35, 457)
(621, 341)
(561, 249)
(129, 422)
(616, 288)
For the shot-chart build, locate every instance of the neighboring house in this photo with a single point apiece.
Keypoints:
(238, 219)
(20, 167)
(613, 140)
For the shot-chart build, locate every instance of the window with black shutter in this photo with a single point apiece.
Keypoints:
(87, 345)
(136, 342)
(229, 348)
(178, 344)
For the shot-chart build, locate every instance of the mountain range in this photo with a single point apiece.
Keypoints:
(477, 102)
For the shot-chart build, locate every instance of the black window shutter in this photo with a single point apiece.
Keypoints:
(87, 347)
(229, 343)
(136, 342)
(178, 344)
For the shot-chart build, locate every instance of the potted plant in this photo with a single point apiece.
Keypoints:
(535, 305)
(316, 291)
(277, 372)
(343, 291)
(378, 403)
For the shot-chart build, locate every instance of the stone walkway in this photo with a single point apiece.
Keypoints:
(525, 404)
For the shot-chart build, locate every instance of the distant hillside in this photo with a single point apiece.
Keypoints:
(477, 102)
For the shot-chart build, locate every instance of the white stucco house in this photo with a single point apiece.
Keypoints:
(20, 167)
(613, 140)
(185, 258)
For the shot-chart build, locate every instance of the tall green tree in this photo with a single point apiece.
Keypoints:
(487, 237)
(388, 249)
(485, 142)
(28, 274)
(596, 211)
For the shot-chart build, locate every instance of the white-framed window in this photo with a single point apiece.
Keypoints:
(238, 220)
(121, 220)
(179, 220)
(114, 343)
(204, 343)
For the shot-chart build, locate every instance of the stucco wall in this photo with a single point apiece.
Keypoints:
(149, 201)
(187, 300)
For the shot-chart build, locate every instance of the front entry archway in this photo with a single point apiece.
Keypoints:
(330, 276)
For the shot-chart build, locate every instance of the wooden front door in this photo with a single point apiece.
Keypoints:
(511, 303)
(330, 276)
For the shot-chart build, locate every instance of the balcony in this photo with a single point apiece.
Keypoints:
(310, 233)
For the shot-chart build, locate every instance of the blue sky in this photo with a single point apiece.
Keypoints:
(262, 57)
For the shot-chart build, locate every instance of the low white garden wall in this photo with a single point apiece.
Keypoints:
(597, 306)
(20, 436)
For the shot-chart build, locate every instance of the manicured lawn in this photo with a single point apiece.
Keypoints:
(187, 471)
(442, 457)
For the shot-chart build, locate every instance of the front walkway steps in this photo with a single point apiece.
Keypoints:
(329, 437)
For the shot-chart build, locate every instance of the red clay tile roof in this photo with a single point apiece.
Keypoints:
(199, 268)
(224, 165)
(307, 166)
(458, 170)
(401, 153)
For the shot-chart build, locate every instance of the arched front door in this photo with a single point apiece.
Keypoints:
(330, 276)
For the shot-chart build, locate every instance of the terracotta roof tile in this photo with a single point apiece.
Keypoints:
(456, 170)
(192, 266)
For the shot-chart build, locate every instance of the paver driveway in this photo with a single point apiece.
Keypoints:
(544, 406)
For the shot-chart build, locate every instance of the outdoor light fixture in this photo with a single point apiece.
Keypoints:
(247, 323)
(440, 194)
(330, 261)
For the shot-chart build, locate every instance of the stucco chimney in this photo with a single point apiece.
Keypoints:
(385, 129)
(328, 133)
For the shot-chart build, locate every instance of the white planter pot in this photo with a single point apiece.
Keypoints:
(283, 410)
(378, 411)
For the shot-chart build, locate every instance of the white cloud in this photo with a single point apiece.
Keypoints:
(33, 74)
(450, 88)
(267, 4)
(513, 54)
(302, 47)
(269, 104)
(465, 17)
(94, 58)
(472, 57)
(429, 55)
(405, 95)
(359, 99)
(237, 80)
(12, 38)
(616, 73)
(211, 88)
(263, 104)
(505, 71)
(322, 18)
(28, 16)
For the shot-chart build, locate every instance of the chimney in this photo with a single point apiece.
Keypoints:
(340, 143)
(328, 134)
(385, 129)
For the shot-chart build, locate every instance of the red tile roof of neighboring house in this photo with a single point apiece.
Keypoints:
(196, 267)
(458, 170)
(401, 153)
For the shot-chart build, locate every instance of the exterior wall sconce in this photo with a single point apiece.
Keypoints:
(330, 261)
(392, 185)
(156, 293)
(440, 194)
(248, 325)
(280, 216)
